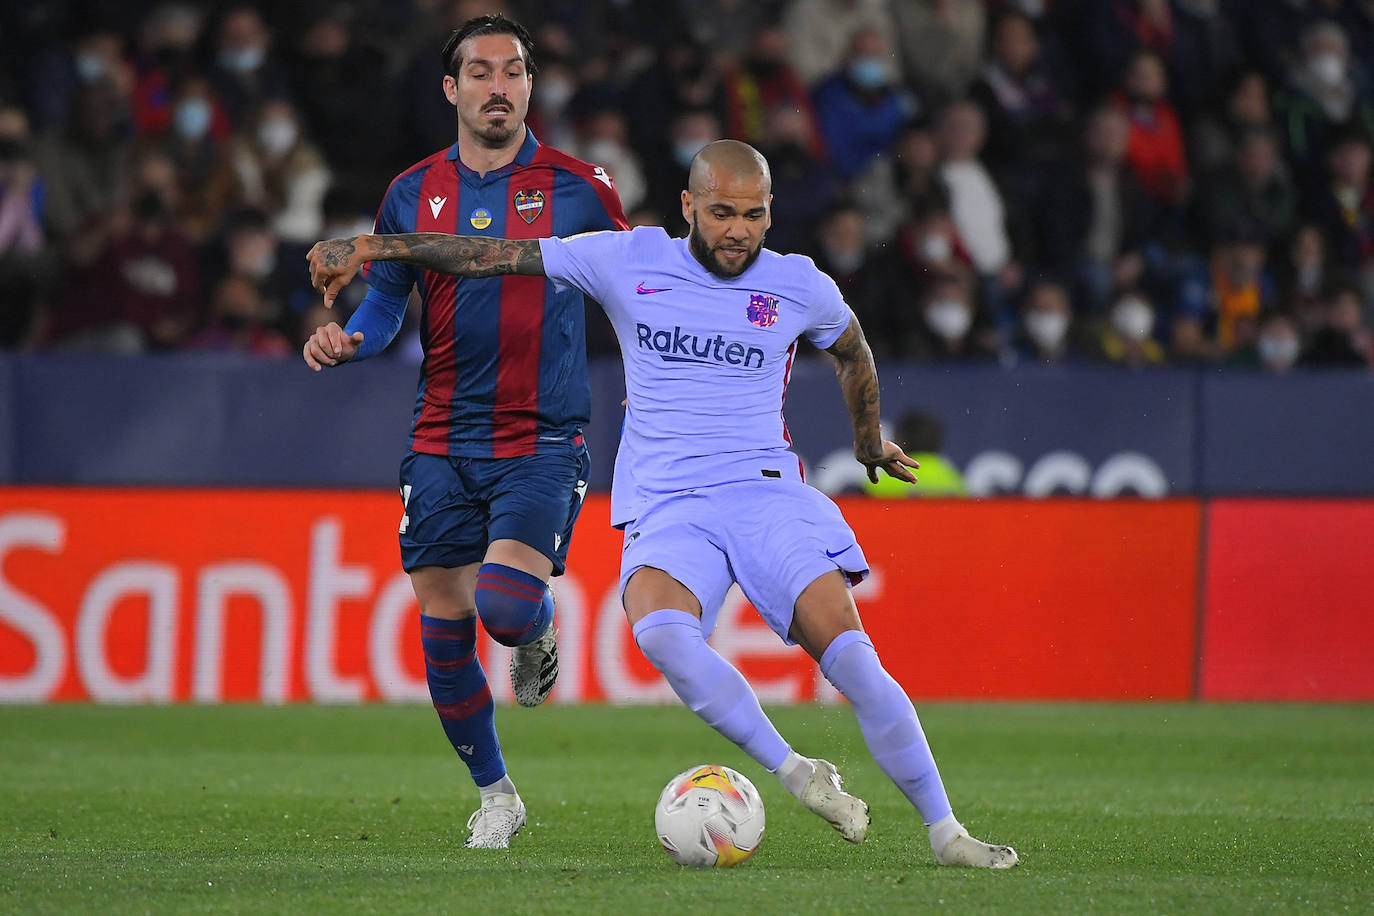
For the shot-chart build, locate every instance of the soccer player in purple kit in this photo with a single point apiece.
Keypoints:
(709, 495)
(496, 469)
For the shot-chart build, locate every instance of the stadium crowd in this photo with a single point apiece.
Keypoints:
(1133, 182)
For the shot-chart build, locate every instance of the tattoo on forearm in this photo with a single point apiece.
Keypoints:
(463, 255)
(859, 381)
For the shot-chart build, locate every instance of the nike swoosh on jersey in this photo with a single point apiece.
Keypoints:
(838, 552)
(645, 292)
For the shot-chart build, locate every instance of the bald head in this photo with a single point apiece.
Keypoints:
(726, 205)
(725, 162)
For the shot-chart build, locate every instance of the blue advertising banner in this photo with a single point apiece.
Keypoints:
(1037, 431)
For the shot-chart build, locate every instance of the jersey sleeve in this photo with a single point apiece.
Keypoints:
(392, 278)
(829, 313)
(611, 211)
(585, 262)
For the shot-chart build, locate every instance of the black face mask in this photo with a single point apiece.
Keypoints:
(764, 68)
(234, 323)
(149, 207)
(12, 150)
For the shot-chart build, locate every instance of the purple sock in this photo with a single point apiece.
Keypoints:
(888, 722)
(708, 684)
(458, 687)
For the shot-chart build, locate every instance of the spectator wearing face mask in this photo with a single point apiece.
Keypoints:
(927, 246)
(803, 187)
(166, 56)
(1045, 333)
(1319, 99)
(241, 322)
(1126, 337)
(244, 73)
(95, 57)
(862, 273)
(1276, 347)
(688, 132)
(141, 290)
(604, 140)
(818, 32)
(949, 329)
(861, 107)
(762, 82)
(205, 169)
(282, 173)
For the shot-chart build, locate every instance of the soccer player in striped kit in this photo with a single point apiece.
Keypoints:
(496, 469)
(708, 496)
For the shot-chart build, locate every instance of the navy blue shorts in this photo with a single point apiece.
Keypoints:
(455, 507)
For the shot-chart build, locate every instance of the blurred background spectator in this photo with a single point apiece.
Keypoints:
(921, 434)
(1182, 181)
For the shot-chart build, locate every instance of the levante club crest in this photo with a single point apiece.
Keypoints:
(529, 204)
(763, 310)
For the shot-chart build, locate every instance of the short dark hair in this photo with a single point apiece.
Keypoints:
(490, 24)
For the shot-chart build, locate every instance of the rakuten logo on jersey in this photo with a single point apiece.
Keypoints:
(675, 346)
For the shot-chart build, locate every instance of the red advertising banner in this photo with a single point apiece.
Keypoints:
(138, 596)
(1290, 608)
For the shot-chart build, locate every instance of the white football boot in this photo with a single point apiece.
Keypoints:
(965, 851)
(823, 794)
(500, 818)
(534, 668)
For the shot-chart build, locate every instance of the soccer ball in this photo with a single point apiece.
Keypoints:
(709, 815)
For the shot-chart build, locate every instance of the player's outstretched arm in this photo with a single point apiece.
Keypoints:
(335, 262)
(859, 382)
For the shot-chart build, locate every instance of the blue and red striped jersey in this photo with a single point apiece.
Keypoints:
(505, 364)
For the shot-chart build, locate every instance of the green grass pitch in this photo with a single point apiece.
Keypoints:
(1113, 808)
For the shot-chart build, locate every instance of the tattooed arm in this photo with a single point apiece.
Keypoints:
(335, 262)
(859, 382)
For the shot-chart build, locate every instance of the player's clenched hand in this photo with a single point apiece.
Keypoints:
(334, 262)
(891, 460)
(330, 346)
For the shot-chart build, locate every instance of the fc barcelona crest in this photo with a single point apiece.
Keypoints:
(763, 310)
(529, 204)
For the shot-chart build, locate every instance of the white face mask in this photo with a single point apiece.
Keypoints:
(1328, 68)
(949, 318)
(552, 94)
(604, 152)
(259, 265)
(1133, 319)
(90, 68)
(1278, 352)
(1047, 329)
(277, 135)
(191, 119)
(844, 262)
(684, 150)
(936, 248)
(242, 60)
